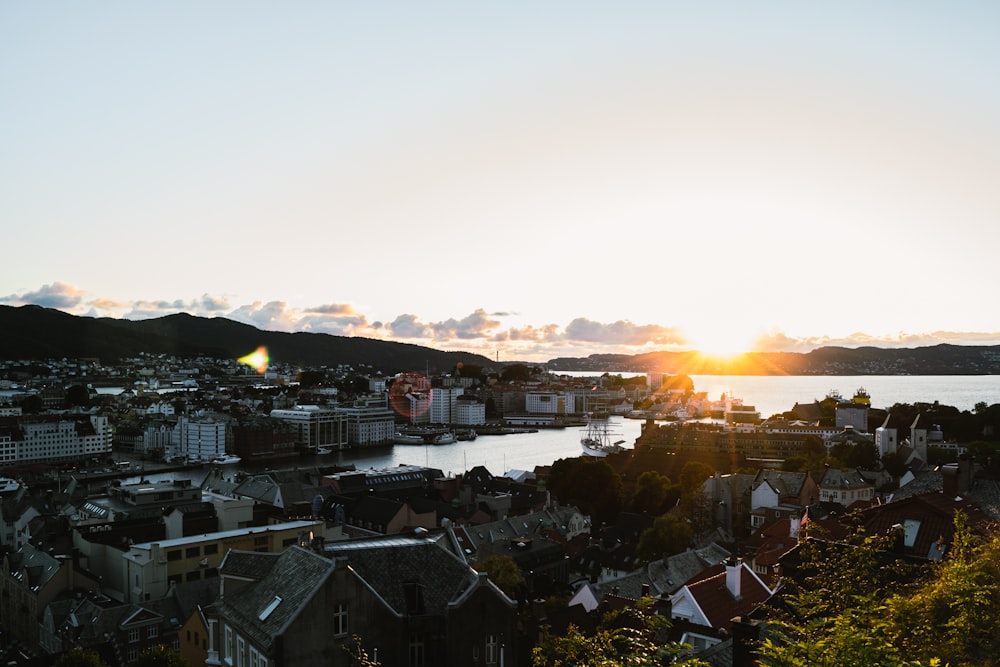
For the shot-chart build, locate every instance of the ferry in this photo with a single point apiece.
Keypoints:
(226, 459)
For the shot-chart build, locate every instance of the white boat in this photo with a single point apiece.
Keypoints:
(409, 439)
(445, 438)
(596, 440)
(8, 485)
(226, 459)
(323, 451)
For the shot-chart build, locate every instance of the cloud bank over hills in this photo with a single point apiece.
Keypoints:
(481, 332)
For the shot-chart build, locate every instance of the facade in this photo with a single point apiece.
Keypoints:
(150, 567)
(53, 438)
(548, 403)
(315, 426)
(443, 404)
(413, 603)
(369, 422)
(200, 438)
(845, 487)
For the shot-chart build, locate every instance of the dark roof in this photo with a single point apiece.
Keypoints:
(387, 565)
(718, 602)
(263, 610)
(250, 564)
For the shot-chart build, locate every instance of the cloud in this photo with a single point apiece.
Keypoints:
(270, 316)
(333, 309)
(408, 326)
(476, 325)
(622, 332)
(540, 334)
(57, 295)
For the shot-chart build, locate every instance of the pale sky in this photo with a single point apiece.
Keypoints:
(522, 179)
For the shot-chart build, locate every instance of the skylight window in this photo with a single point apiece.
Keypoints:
(269, 609)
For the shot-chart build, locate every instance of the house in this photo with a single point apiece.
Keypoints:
(771, 488)
(30, 580)
(412, 601)
(706, 605)
(845, 487)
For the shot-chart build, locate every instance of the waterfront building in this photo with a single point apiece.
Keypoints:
(469, 412)
(548, 403)
(54, 438)
(369, 422)
(200, 438)
(443, 404)
(315, 426)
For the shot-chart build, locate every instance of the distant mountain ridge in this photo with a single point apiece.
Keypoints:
(34, 332)
(37, 333)
(931, 360)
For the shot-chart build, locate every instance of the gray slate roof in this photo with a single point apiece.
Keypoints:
(295, 576)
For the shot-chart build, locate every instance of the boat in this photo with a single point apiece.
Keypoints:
(468, 435)
(8, 485)
(408, 439)
(323, 451)
(445, 438)
(226, 459)
(596, 440)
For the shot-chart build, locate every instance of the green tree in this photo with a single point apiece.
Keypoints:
(630, 637)
(650, 492)
(668, 535)
(955, 615)
(80, 657)
(160, 656)
(590, 484)
(515, 373)
(694, 474)
(504, 572)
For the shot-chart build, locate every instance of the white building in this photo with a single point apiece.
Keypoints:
(469, 412)
(548, 403)
(315, 426)
(200, 438)
(58, 438)
(443, 402)
(369, 421)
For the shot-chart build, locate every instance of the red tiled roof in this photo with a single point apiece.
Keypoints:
(719, 604)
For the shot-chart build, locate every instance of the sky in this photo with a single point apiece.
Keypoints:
(525, 180)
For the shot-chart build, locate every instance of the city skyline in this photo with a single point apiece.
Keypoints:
(525, 182)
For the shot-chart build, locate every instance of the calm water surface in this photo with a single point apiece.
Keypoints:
(770, 395)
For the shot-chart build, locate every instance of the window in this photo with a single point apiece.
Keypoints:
(340, 620)
(255, 658)
(227, 646)
(492, 650)
(133, 654)
(416, 649)
(174, 554)
(211, 549)
(152, 631)
(133, 635)
(192, 552)
(241, 649)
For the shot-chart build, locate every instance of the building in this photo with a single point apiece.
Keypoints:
(200, 438)
(443, 404)
(150, 567)
(469, 412)
(370, 421)
(411, 601)
(54, 438)
(315, 426)
(845, 487)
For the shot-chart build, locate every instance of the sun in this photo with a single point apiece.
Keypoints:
(722, 340)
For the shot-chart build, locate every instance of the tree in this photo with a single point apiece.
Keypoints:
(504, 572)
(160, 656)
(650, 492)
(694, 474)
(515, 373)
(667, 536)
(80, 657)
(590, 484)
(629, 637)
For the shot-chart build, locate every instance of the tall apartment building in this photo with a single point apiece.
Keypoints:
(469, 412)
(443, 402)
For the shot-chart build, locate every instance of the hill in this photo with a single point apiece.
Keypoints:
(33, 332)
(930, 360)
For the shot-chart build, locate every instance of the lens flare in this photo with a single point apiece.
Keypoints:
(257, 359)
(410, 395)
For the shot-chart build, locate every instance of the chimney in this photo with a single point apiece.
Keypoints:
(734, 574)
